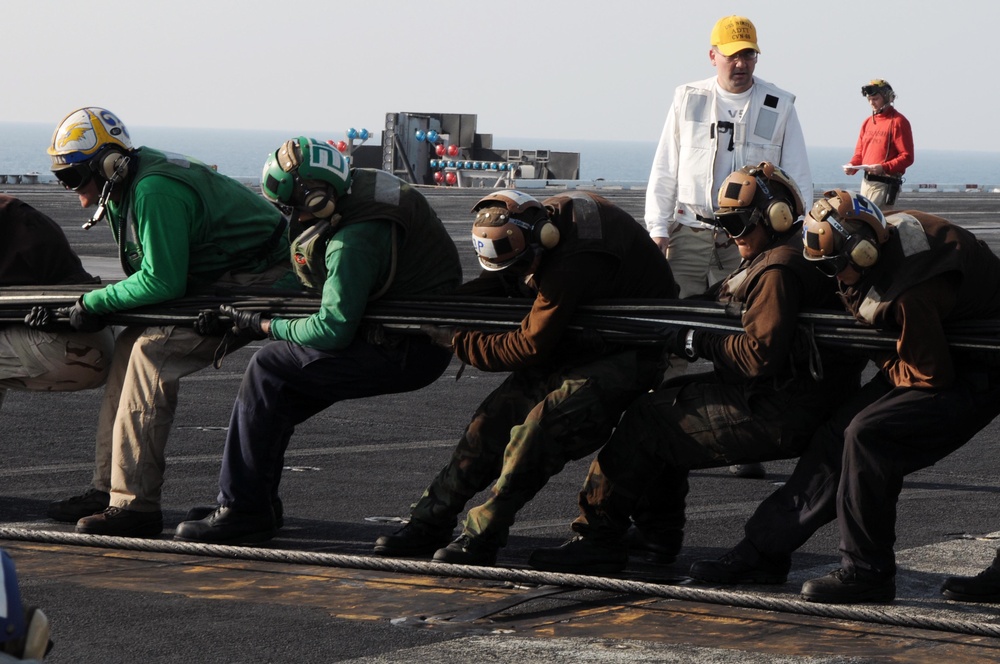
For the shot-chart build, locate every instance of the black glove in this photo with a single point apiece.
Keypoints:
(676, 343)
(81, 319)
(207, 324)
(247, 323)
(41, 318)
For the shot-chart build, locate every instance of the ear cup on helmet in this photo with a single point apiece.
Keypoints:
(779, 216)
(546, 234)
(319, 201)
(110, 165)
(863, 252)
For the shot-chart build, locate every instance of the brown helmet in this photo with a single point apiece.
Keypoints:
(843, 227)
(507, 224)
(758, 193)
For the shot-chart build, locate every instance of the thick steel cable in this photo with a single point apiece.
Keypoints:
(867, 614)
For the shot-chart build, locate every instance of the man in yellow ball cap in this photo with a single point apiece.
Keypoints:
(715, 127)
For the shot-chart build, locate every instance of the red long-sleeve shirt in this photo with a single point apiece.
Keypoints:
(885, 139)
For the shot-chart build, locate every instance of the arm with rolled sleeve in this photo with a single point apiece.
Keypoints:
(357, 261)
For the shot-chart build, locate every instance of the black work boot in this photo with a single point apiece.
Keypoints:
(983, 587)
(469, 550)
(201, 511)
(414, 540)
(74, 508)
(660, 548)
(751, 471)
(121, 522)
(743, 564)
(228, 526)
(582, 555)
(856, 586)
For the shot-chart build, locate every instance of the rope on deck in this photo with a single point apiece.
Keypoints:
(881, 615)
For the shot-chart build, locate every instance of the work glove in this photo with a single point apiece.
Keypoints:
(80, 319)
(676, 343)
(41, 318)
(207, 324)
(245, 323)
(441, 335)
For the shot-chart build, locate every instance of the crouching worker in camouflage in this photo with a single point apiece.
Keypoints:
(760, 402)
(566, 391)
(35, 251)
(369, 235)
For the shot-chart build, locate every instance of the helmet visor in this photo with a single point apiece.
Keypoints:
(831, 266)
(736, 223)
(75, 176)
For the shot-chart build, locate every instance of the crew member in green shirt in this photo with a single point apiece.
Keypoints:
(367, 235)
(181, 227)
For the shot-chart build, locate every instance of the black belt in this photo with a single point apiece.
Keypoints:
(887, 179)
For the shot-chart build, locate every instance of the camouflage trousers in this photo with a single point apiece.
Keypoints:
(693, 422)
(34, 360)
(527, 430)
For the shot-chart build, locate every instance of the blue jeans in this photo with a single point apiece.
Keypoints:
(286, 384)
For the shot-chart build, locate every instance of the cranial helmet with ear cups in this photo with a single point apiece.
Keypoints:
(508, 224)
(526, 213)
(758, 193)
(844, 224)
(306, 174)
(89, 142)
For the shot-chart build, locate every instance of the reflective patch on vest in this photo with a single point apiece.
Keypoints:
(388, 189)
(767, 121)
(694, 107)
(912, 237)
(586, 216)
(869, 305)
(733, 284)
(177, 159)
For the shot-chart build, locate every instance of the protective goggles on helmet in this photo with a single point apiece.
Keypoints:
(75, 176)
(739, 222)
(871, 90)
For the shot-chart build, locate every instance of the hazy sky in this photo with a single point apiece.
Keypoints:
(567, 69)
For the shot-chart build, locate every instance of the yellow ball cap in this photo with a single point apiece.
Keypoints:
(733, 34)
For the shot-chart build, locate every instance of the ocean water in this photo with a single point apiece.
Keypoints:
(241, 154)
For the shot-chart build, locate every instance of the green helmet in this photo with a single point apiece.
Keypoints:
(306, 174)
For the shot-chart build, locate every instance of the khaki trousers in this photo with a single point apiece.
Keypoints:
(140, 399)
(697, 259)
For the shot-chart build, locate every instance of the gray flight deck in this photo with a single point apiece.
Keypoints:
(352, 473)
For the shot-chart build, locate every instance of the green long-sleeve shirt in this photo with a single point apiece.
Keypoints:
(358, 258)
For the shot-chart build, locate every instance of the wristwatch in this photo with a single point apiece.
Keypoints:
(689, 344)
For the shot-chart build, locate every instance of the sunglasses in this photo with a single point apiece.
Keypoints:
(75, 176)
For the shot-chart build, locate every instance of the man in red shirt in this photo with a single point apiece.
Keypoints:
(885, 146)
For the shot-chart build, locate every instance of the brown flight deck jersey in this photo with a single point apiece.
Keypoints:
(930, 273)
(603, 253)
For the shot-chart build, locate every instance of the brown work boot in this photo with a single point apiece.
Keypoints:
(121, 522)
